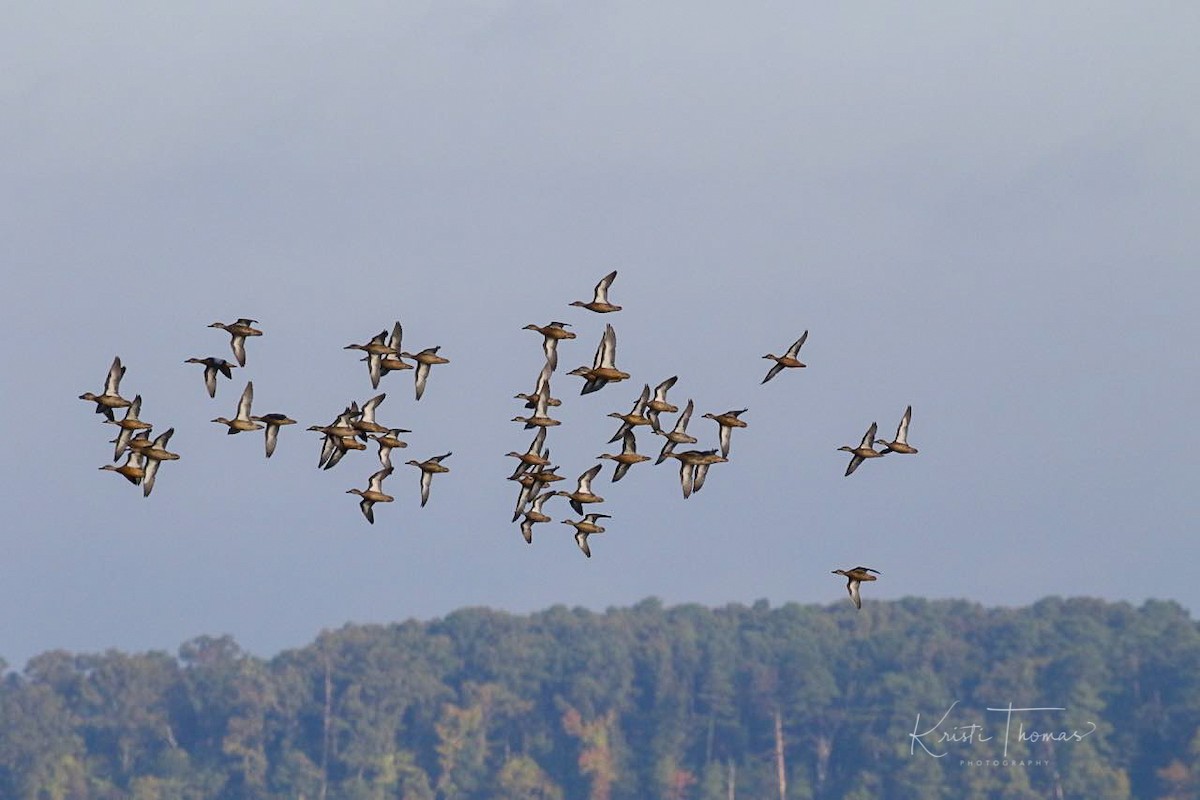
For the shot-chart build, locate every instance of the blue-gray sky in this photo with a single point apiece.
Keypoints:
(988, 212)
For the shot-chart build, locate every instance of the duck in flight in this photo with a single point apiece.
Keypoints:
(273, 423)
(429, 467)
(584, 528)
(241, 420)
(599, 302)
(626, 458)
(677, 435)
(238, 331)
(373, 494)
(110, 398)
(658, 404)
(604, 365)
(154, 454)
(583, 490)
(552, 334)
(213, 365)
(728, 421)
(853, 578)
(534, 515)
(638, 415)
(425, 359)
(900, 443)
(375, 348)
(788, 359)
(863, 451)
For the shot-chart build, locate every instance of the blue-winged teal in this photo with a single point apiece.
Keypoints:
(373, 494)
(533, 481)
(154, 455)
(337, 446)
(365, 422)
(599, 302)
(110, 398)
(273, 423)
(863, 451)
(546, 474)
(543, 387)
(138, 442)
(534, 515)
(131, 421)
(375, 348)
(552, 334)
(429, 467)
(238, 331)
(128, 425)
(693, 468)
(541, 412)
(340, 437)
(626, 458)
(425, 359)
(531, 400)
(213, 365)
(241, 420)
(133, 470)
(678, 435)
(393, 363)
(343, 425)
(638, 415)
(388, 442)
(900, 443)
(583, 490)
(604, 365)
(728, 421)
(787, 360)
(658, 404)
(853, 578)
(529, 488)
(377, 345)
(584, 528)
(706, 459)
(532, 457)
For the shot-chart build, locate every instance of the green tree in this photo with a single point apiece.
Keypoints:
(41, 757)
(522, 779)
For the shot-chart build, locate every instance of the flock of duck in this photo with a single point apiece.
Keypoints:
(350, 430)
(355, 426)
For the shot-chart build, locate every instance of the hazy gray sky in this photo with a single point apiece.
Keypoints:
(988, 212)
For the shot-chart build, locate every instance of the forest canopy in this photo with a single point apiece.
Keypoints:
(904, 699)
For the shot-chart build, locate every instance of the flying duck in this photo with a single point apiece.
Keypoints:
(604, 366)
(584, 528)
(678, 435)
(728, 421)
(110, 398)
(626, 458)
(863, 451)
(238, 331)
(900, 443)
(373, 494)
(787, 360)
(552, 334)
(853, 578)
(273, 423)
(583, 490)
(241, 420)
(599, 302)
(429, 467)
(213, 365)
(425, 359)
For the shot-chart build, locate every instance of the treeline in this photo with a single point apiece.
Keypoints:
(646, 702)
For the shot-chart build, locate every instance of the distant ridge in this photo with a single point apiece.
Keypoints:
(645, 701)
